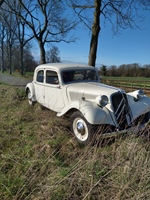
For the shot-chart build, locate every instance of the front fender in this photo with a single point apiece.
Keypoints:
(139, 107)
(30, 86)
(96, 115)
(73, 105)
(92, 113)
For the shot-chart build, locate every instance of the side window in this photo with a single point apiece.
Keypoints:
(51, 77)
(40, 76)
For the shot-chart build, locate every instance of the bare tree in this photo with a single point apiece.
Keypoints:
(129, 70)
(29, 61)
(112, 71)
(2, 37)
(13, 39)
(53, 55)
(10, 41)
(20, 28)
(9, 23)
(47, 21)
(121, 14)
(1, 2)
(22, 36)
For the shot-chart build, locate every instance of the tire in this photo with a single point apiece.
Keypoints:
(31, 102)
(81, 129)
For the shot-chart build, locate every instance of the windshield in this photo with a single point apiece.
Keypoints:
(79, 75)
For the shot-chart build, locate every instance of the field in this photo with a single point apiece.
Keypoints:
(129, 83)
(40, 159)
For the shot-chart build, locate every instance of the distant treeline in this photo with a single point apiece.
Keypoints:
(132, 70)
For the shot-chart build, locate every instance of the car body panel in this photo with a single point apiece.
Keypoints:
(139, 107)
(30, 86)
(54, 98)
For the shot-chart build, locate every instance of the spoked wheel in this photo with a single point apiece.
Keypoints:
(31, 102)
(81, 128)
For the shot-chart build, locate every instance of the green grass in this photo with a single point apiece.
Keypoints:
(17, 74)
(40, 159)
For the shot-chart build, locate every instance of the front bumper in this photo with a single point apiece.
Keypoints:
(131, 130)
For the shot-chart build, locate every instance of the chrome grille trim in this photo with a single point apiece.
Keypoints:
(118, 115)
(122, 110)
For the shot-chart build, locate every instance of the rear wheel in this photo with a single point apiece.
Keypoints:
(81, 129)
(31, 102)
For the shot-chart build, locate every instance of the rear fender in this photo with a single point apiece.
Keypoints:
(30, 86)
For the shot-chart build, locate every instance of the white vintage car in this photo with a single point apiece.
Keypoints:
(75, 90)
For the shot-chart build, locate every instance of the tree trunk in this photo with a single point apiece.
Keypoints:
(2, 63)
(95, 34)
(21, 60)
(1, 2)
(2, 49)
(42, 52)
(10, 59)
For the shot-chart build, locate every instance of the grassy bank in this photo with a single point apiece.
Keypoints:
(41, 160)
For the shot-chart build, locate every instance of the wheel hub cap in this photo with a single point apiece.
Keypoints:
(29, 96)
(81, 128)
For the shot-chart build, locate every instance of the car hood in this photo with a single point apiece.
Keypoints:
(89, 90)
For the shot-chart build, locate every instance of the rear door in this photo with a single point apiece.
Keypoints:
(39, 86)
(53, 92)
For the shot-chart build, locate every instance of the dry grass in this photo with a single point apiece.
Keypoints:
(40, 159)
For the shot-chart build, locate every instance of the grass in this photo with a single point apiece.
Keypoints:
(41, 160)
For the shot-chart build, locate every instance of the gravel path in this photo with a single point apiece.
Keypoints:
(13, 80)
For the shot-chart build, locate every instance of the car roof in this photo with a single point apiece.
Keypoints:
(61, 66)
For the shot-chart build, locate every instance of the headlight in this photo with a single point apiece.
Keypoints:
(102, 100)
(138, 94)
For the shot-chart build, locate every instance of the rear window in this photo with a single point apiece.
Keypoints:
(40, 76)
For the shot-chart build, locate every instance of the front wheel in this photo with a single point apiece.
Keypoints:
(81, 128)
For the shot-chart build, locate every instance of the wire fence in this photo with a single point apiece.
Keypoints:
(129, 86)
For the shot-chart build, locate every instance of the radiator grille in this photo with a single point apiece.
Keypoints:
(121, 110)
